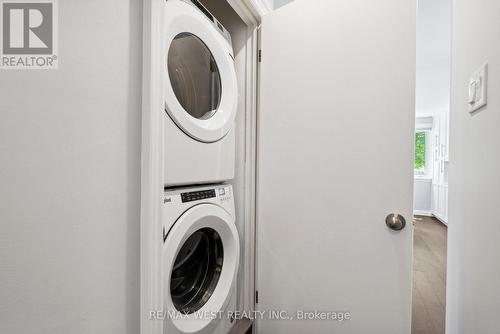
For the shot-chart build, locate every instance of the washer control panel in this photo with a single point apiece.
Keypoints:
(225, 193)
(177, 200)
(216, 194)
(197, 195)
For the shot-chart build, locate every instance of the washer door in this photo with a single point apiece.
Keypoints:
(200, 86)
(201, 256)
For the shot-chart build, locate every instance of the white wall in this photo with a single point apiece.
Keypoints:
(433, 57)
(70, 179)
(473, 296)
(280, 3)
(422, 189)
(433, 95)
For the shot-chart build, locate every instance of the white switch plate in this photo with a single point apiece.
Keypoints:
(478, 89)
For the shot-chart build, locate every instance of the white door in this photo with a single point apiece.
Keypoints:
(336, 129)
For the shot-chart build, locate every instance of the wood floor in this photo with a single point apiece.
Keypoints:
(429, 276)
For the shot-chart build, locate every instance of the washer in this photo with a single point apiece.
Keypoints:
(200, 260)
(200, 92)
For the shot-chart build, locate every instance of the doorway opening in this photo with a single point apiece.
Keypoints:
(431, 166)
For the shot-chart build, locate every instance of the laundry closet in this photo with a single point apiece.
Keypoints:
(203, 86)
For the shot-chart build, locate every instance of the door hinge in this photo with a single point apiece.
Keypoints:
(256, 297)
(260, 56)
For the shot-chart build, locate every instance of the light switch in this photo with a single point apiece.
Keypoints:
(478, 88)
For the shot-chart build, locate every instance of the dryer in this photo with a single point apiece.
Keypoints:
(200, 260)
(200, 92)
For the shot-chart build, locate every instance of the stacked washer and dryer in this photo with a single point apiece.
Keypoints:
(201, 243)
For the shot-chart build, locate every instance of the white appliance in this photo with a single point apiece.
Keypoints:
(200, 92)
(200, 260)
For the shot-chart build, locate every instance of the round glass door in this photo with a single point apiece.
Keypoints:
(196, 270)
(194, 76)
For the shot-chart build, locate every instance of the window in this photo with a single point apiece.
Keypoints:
(421, 152)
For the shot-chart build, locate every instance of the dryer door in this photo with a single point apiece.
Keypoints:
(200, 257)
(200, 86)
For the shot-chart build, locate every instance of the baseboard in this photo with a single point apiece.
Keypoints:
(422, 213)
(430, 214)
(442, 220)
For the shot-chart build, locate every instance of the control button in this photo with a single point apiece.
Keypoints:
(222, 191)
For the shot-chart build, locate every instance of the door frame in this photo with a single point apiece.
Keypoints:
(152, 160)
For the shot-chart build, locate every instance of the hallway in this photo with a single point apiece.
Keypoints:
(429, 276)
